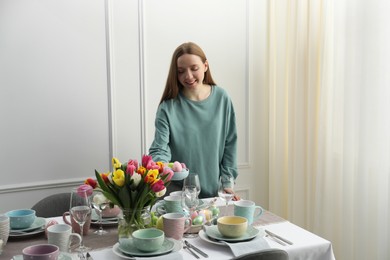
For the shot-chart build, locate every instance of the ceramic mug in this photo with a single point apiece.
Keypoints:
(75, 225)
(247, 209)
(170, 204)
(61, 235)
(41, 252)
(176, 224)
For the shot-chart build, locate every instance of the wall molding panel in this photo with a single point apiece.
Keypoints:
(91, 91)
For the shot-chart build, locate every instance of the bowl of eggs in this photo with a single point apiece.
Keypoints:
(201, 217)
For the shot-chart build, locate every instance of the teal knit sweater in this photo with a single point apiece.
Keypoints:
(202, 134)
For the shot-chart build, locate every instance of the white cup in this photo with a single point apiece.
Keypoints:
(61, 235)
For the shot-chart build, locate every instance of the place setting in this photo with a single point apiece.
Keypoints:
(148, 242)
(25, 223)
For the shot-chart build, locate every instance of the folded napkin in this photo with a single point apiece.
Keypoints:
(241, 248)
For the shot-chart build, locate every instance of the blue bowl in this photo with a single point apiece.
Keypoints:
(21, 218)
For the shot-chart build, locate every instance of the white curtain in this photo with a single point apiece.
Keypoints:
(329, 126)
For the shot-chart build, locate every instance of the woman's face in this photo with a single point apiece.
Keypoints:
(190, 70)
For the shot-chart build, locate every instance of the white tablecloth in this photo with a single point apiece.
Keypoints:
(306, 246)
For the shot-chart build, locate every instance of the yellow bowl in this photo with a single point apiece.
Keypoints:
(232, 226)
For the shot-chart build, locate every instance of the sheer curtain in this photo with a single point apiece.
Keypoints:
(329, 125)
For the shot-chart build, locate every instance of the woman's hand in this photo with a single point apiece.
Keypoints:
(231, 191)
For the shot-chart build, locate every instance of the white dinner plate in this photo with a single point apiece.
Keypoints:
(38, 223)
(61, 256)
(213, 232)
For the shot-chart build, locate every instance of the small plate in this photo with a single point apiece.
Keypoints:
(251, 232)
(38, 223)
(61, 256)
(126, 246)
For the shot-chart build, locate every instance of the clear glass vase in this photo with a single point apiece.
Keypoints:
(132, 220)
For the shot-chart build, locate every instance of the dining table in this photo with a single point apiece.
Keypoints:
(300, 244)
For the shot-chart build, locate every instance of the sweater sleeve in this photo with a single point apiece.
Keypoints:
(159, 150)
(229, 160)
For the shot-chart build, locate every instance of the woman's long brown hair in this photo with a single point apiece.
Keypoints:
(173, 86)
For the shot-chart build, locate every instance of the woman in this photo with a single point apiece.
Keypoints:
(195, 122)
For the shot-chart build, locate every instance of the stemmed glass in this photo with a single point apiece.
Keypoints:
(192, 181)
(225, 182)
(80, 209)
(99, 203)
(190, 202)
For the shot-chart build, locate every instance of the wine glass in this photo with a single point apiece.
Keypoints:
(190, 202)
(99, 203)
(225, 182)
(80, 209)
(192, 181)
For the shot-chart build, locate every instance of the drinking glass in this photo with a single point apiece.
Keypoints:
(192, 181)
(80, 209)
(225, 182)
(99, 203)
(189, 202)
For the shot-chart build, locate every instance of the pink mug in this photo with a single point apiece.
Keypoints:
(75, 225)
(176, 224)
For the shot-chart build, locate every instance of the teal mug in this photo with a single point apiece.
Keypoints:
(170, 204)
(248, 210)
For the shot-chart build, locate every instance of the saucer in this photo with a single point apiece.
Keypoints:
(212, 232)
(38, 223)
(61, 256)
(127, 247)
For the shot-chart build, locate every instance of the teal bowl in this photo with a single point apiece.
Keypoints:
(148, 239)
(21, 218)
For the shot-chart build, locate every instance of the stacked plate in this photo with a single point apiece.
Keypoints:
(37, 227)
(126, 249)
(212, 235)
(4, 230)
(106, 221)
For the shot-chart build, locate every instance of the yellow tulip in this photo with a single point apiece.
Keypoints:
(152, 176)
(119, 177)
(116, 163)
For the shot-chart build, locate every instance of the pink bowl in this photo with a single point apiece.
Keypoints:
(41, 252)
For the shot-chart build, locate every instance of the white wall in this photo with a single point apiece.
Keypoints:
(81, 81)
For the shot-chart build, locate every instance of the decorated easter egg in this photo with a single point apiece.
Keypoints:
(198, 220)
(194, 215)
(215, 211)
(177, 167)
(208, 214)
(201, 214)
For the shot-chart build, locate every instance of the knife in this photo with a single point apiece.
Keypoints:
(192, 252)
(195, 248)
(278, 237)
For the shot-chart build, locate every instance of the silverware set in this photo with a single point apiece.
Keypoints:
(277, 238)
(192, 249)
